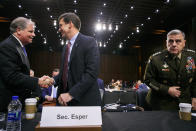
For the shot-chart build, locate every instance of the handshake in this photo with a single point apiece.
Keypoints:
(45, 81)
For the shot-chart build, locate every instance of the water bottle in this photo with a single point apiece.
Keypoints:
(14, 115)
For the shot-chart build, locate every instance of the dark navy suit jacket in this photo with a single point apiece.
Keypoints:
(14, 73)
(83, 72)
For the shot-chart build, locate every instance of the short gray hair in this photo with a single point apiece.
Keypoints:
(19, 22)
(176, 32)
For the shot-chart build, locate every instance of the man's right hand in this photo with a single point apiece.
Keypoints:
(174, 91)
(45, 81)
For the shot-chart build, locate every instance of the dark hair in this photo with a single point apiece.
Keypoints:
(19, 22)
(71, 17)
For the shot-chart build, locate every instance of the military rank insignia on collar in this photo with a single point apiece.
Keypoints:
(190, 64)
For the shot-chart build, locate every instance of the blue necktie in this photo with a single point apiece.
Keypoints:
(24, 50)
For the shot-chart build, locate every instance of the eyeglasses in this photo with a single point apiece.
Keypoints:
(172, 41)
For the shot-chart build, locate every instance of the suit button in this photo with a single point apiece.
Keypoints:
(178, 82)
(178, 76)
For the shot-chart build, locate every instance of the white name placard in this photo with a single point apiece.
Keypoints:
(71, 116)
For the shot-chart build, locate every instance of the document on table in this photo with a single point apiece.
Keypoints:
(193, 114)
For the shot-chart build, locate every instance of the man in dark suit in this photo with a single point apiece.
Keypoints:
(80, 87)
(171, 75)
(14, 65)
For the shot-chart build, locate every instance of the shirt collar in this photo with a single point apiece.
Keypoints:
(179, 55)
(18, 40)
(172, 56)
(72, 41)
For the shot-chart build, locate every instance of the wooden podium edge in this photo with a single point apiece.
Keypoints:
(69, 128)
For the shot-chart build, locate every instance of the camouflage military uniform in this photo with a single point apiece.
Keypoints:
(162, 73)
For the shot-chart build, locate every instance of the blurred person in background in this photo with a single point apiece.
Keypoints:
(50, 93)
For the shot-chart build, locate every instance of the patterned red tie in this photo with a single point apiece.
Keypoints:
(65, 69)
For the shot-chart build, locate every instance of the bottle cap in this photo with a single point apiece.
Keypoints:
(14, 97)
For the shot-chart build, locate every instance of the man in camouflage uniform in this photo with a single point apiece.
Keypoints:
(171, 75)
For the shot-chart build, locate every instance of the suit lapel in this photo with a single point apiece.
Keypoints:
(171, 63)
(19, 49)
(23, 56)
(183, 62)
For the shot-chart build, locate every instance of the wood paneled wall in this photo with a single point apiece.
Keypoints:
(118, 67)
(111, 66)
(43, 62)
(129, 67)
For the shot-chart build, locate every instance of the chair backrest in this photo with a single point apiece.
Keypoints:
(121, 97)
(128, 97)
(110, 97)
